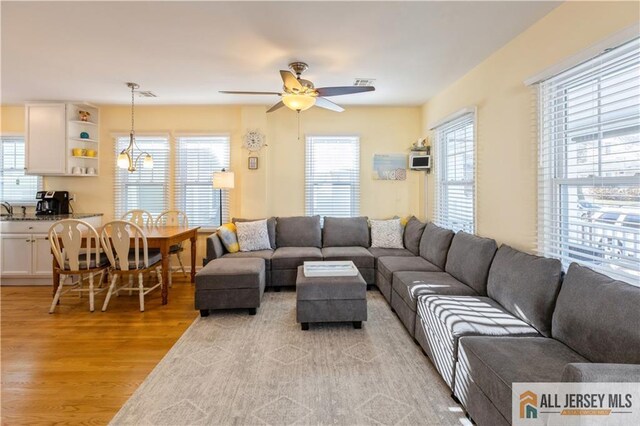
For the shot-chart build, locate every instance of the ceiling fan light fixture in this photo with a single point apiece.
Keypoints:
(298, 102)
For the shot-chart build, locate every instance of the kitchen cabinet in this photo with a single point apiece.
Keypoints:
(62, 139)
(25, 252)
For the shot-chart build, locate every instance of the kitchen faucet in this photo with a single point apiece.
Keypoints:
(8, 207)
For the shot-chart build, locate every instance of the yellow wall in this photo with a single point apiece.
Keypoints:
(277, 187)
(506, 168)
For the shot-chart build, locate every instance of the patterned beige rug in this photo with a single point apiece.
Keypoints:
(234, 369)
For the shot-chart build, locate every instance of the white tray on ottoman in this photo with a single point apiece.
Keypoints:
(330, 268)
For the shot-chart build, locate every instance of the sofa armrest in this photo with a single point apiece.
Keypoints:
(596, 372)
(215, 249)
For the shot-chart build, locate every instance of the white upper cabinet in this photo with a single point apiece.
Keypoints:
(62, 139)
(46, 139)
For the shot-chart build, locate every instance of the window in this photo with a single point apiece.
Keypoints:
(145, 189)
(332, 176)
(15, 186)
(455, 174)
(589, 164)
(198, 158)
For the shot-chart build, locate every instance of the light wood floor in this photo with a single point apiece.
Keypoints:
(74, 366)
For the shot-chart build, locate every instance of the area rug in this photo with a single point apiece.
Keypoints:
(235, 369)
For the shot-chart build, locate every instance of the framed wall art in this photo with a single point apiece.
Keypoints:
(253, 163)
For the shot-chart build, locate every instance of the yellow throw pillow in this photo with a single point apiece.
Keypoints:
(227, 234)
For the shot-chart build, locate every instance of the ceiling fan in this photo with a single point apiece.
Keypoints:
(299, 94)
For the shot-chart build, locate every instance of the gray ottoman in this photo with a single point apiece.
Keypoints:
(230, 283)
(330, 299)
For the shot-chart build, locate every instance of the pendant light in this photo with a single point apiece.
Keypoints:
(126, 158)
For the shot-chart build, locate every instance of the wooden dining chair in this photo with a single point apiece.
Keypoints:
(139, 217)
(76, 247)
(126, 248)
(174, 218)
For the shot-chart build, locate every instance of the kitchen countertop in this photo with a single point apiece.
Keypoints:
(51, 218)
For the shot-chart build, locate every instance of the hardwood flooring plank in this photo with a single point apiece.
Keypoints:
(78, 367)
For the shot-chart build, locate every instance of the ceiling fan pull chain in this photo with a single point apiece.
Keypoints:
(298, 125)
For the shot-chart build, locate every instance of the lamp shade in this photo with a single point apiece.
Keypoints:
(298, 102)
(223, 180)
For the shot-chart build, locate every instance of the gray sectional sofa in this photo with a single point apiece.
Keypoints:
(486, 317)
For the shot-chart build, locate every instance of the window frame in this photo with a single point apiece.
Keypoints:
(119, 202)
(557, 226)
(39, 180)
(354, 184)
(179, 185)
(442, 182)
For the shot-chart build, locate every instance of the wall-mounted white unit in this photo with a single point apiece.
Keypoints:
(420, 160)
(62, 141)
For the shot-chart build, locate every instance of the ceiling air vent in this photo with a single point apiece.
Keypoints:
(364, 81)
(147, 94)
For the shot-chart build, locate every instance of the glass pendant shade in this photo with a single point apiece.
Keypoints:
(298, 102)
(123, 160)
(148, 162)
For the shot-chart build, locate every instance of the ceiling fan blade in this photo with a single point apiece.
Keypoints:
(343, 90)
(327, 104)
(234, 92)
(290, 81)
(276, 106)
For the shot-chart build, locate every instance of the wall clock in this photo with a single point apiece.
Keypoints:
(254, 141)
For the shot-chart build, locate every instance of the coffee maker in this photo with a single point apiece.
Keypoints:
(52, 202)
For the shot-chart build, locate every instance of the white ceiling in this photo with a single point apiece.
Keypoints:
(186, 51)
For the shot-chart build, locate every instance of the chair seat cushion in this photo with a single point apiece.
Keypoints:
(410, 285)
(292, 257)
(360, 256)
(102, 262)
(261, 254)
(495, 363)
(154, 257)
(176, 248)
(388, 265)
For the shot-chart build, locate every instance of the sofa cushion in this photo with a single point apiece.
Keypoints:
(525, 285)
(469, 259)
(448, 318)
(388, 265)
(224, 274)
(412, 234)
(271, 228)
(298, 231)
(598, 317)
(386, 233)
(410, 285)
(260, 254)
(253, 236)
(495, 363)
(292, 257)
(435, 243)
(360, 256)
(345, 232)
(378, 252)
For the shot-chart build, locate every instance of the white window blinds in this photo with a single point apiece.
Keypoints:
(198, 158)
(145, 189)
(455, 174)
(332, 176)
(15, 187)
(589, 164)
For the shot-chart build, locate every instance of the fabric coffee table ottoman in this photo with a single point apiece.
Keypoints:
(330, 299)
(230, 284)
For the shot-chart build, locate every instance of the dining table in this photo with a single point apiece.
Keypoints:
(162, 238)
